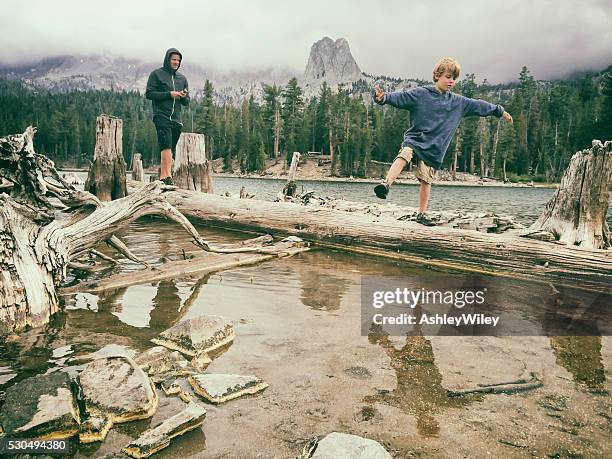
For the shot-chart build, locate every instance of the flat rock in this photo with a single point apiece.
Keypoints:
(177, 386)
(40, 406)
(348, 446)
(197, 335)
(219, 388)
(161, 363)
(113, 390)
(158, 438)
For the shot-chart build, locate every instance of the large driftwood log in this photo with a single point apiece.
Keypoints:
(576, 214)
(137, 168)
(505, 254)
(37, 244)
(34, 258)
(191, 169)
(106, 177)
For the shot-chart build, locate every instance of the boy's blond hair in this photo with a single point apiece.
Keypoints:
(446, 65)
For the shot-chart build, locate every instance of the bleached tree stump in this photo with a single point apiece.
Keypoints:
(106, 177)
(576, 214)
(290, 189)
(191, 169)
(137, 168)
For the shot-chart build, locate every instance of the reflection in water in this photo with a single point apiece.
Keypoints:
(321, 290)
(419, 390)
(167, 304)
(581, 356)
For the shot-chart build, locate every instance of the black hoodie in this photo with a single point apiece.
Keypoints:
(160, 83)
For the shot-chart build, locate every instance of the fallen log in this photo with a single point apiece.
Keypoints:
(505, 254)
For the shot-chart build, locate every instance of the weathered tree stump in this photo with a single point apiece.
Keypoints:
(290, 188)
(106, 177)
(192, 170)
(137, 168)
(576, 214)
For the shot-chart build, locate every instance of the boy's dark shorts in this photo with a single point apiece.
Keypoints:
(168, 133)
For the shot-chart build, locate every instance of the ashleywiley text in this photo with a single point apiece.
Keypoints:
(435, 319)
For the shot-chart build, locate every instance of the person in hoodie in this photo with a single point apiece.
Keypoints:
(169, 91)
(435, 114)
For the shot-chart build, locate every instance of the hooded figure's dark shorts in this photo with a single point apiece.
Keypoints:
(168, 133)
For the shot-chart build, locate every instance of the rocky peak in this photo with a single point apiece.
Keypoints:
(331, 61)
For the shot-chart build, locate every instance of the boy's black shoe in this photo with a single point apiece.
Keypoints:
(381, 190)
(423, 219)
(168, 181)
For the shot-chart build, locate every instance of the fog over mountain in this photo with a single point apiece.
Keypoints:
(329, 61)
(491, 38)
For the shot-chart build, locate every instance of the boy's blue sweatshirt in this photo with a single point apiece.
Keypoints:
(434, 118)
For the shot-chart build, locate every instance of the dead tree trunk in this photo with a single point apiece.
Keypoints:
(456, 154)
(192, 170)
(277, 126)
(137, 169)
(494, 152)
(290, 189)
(483, 141)
(576, 214)
(106, 177)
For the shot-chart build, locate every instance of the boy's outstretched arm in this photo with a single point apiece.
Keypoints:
(508, 117)
(478, 107)
(398, 99)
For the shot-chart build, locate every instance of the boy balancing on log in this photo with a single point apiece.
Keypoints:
(435, 114)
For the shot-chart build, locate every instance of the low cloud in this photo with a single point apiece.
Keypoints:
(492, 39)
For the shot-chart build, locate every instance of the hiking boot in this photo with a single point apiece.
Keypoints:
(381, 190)
(167, 181)
(423, 219)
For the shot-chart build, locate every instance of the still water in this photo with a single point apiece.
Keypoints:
(524, 203)
(297, 323)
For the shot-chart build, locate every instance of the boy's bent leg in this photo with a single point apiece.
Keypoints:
(401, 160)
(404, 157)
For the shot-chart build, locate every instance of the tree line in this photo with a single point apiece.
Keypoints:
(552, 120)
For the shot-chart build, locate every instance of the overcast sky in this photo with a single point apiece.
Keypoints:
(491, 38)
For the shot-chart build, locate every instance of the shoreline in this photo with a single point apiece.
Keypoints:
(400, 181)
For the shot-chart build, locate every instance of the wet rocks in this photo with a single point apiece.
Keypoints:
(219, 388)
(161, 363)
(197, 336)
(348, 446)
(113, 390)
(158, 438)
(177, 386)
(41, 407)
